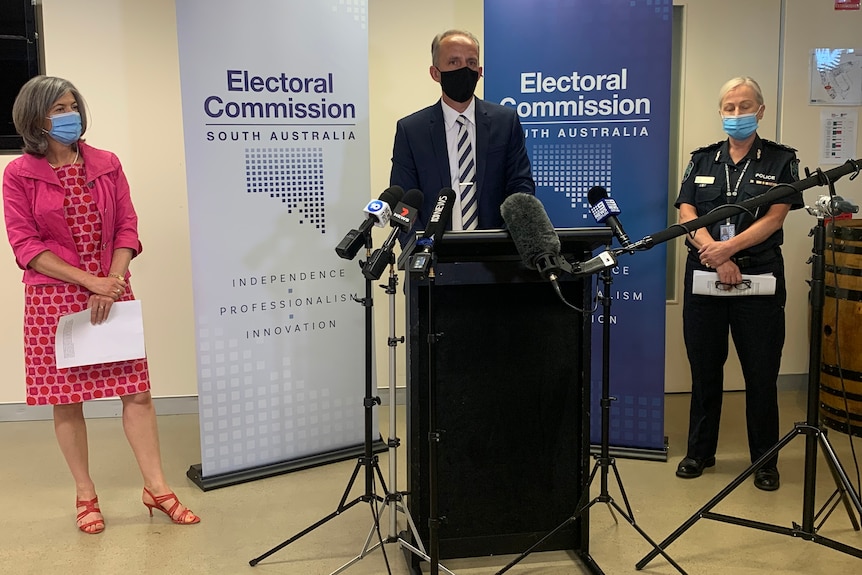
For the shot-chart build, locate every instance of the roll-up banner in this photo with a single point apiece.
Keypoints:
(275, 115)
(591, 84)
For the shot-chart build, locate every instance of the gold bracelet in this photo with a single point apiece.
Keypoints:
(118, 276)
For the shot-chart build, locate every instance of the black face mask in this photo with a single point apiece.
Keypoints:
(459, 84)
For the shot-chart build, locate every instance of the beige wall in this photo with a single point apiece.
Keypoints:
(709, 58)
(126, 66)
(809, 25)
(720, 43)
(122, 55)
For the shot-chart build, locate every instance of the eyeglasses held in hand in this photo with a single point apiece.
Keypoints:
(743, 285)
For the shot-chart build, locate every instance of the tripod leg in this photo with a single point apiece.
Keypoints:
(341, 509)
(518, 559)
(648, 539)
(630, 517)
(419, 548)
(623, 491)
(610, 505)
(367, 548)
(380, 478)
(350, 482)
(842, 482)
(718, 498)
(365, 551)
(583, 504)
(376, 513)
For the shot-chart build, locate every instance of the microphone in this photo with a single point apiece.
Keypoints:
(605, 211)
(594, 265)
(404, 214)
(534, 235)
(402, 219)
(379, 211)
(834, 205)
(420, 261)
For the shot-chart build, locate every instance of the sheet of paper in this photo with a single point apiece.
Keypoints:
(703, 283)
(839, 135)
(120, 337)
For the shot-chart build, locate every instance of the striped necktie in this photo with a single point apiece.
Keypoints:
(466, 177)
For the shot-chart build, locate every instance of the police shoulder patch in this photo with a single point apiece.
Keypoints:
(688, 170)
(794, 169)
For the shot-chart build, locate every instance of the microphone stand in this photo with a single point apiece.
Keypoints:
(434, 434)
(810, 428)
(395, 499)
(367, 461)
(603, 461)
(422, 264)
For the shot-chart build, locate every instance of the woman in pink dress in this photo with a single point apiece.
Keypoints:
(73, 230)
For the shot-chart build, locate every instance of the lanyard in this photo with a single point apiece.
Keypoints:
(735, 190)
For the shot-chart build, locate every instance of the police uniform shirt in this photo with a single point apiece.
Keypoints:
(712, 179)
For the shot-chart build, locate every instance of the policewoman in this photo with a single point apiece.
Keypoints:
(737, 169)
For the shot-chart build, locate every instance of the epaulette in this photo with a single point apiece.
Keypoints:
(708, 148)
(777, 145)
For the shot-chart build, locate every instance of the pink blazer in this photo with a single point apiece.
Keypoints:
(36, 219)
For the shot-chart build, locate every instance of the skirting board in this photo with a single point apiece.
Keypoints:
(188, 404)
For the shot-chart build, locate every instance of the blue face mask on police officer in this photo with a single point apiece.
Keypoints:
(740, 127)
(65, 128)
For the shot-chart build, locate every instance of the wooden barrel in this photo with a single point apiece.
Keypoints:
(841, 358)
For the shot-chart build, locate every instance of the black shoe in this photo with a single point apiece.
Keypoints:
(691, 467)
(767, 479)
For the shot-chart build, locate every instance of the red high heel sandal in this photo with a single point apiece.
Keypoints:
(91, 506)
(159, 503)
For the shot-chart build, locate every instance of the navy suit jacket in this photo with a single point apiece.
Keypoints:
(420, 159)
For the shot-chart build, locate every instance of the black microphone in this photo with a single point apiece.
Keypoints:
(379, 211)
(420, 261)
(402, 219)
(534, 235)
(605, 211)
(404, 214)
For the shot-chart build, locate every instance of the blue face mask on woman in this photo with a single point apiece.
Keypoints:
(740, 127)
(65, 128)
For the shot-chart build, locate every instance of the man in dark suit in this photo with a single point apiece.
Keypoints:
(461, 142)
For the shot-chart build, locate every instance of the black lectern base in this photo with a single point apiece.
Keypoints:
(575, 562)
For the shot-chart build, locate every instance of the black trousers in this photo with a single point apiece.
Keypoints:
(756, 324)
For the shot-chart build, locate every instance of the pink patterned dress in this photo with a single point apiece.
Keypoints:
(45, 304)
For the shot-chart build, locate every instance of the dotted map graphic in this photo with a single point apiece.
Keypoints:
(572, 169)
(292, 175)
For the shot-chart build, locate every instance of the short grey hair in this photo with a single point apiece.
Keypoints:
(32, 105)
(435, 43)
(737, 82)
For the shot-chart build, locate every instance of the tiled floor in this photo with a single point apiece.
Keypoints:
(37, 533)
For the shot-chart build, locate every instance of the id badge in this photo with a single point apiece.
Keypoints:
(727, 232)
